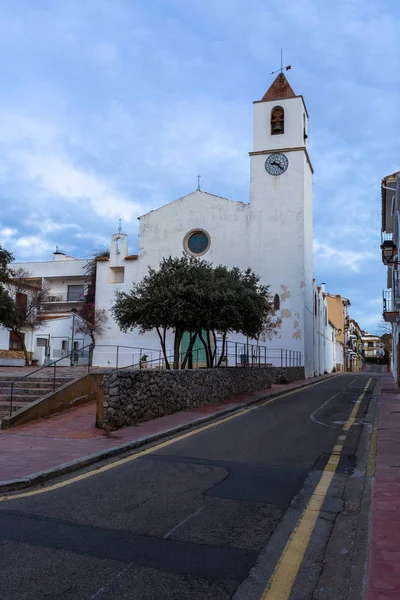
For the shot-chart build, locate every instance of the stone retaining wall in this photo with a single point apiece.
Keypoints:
(131, 397)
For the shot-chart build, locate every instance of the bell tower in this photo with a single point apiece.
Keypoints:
(281, 212)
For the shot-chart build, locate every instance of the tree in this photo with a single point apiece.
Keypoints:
(5, 259)
(5, 275)
(23, 300)
(189, 295)
(91, 322)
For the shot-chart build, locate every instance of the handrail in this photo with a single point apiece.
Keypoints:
(53, 363)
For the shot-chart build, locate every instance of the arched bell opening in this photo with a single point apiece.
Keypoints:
(277, 120)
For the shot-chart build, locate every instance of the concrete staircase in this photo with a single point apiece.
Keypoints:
(28, 390)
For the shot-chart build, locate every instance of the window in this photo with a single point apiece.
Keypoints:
(197, 242)
(21, 299)
(117, 274)
(370, 344)
(15, 342)
(277, 120)
(75, 293)
(277, 302)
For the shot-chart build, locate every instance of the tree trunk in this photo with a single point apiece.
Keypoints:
(91, 351)
(163, 348)
(17, 333)
(223, 349)
(177, 347)
(189, 350)
(207, 350)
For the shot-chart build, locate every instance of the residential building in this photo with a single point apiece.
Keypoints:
(390, 195)
(373, 345)
(355, 360)
(63, 280)
(338, 315)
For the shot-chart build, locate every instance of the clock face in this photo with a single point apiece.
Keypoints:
(276, 164)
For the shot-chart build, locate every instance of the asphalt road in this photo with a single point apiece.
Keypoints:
(191, 520)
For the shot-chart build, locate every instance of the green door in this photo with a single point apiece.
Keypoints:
(198, 352)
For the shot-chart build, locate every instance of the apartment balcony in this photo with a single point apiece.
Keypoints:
(391, 307)
(63, 299)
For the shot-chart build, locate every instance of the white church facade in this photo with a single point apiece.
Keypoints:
(272, 233)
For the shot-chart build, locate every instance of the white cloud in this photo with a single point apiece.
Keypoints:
(334, 258)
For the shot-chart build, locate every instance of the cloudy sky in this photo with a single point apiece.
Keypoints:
(109, 108)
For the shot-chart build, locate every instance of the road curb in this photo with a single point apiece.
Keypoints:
(79, 463)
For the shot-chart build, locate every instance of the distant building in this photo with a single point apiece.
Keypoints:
(390, 194)
(64, 280)
(373, 345)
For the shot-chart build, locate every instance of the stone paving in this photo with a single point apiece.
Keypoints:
(384, 554)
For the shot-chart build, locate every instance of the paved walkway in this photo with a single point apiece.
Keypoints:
(384, 554)
(72, 435)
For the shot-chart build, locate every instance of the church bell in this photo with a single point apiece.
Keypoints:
(277, 127)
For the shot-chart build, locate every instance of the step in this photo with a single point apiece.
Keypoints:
(25, 398)
(44, 379)
(43, 385)
(32, 384)
(26, 390)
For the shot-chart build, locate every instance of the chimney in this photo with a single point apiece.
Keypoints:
(58, 255)
(323, 288)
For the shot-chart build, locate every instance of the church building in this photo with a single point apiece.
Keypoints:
(272, 234)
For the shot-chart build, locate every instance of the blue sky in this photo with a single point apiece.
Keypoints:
(109, 108)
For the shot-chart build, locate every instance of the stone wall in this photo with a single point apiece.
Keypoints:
(131, 397)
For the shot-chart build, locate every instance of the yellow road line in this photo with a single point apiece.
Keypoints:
(282, 580)
(128, 459)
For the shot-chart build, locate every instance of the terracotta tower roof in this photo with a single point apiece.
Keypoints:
(279, 90)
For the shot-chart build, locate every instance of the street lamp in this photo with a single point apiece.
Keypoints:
(73, 311)
(389, 252)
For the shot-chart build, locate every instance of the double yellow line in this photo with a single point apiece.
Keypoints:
(128, 459)
(282, 580)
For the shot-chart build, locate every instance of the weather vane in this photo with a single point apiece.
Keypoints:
(282, 67)
(120, 225)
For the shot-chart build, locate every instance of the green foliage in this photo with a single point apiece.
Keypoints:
(6, 302)
(189, 294)
(5, 260)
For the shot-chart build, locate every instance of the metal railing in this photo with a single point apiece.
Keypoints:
(52, 298)
(72, 356)
(237, 354)
(388, 304)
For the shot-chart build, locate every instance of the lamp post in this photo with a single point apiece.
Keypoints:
(389, 252)
(72, 337)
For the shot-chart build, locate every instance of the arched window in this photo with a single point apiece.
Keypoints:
(277, 302)
(277, 120)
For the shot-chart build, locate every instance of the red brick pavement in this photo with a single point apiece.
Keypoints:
(72, 435)
(384, 553)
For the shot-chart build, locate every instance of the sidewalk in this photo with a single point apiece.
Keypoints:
(69, 440)
(384, 553)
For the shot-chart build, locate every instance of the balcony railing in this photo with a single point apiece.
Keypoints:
(61, 298)
(390, 307)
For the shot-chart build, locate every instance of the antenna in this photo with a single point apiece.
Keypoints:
(120, 225)
(198, 182)
(282, 67)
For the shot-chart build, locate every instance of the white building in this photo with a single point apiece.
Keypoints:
(390, 193)
(373, 345)
(272, 233)
(64, 279)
